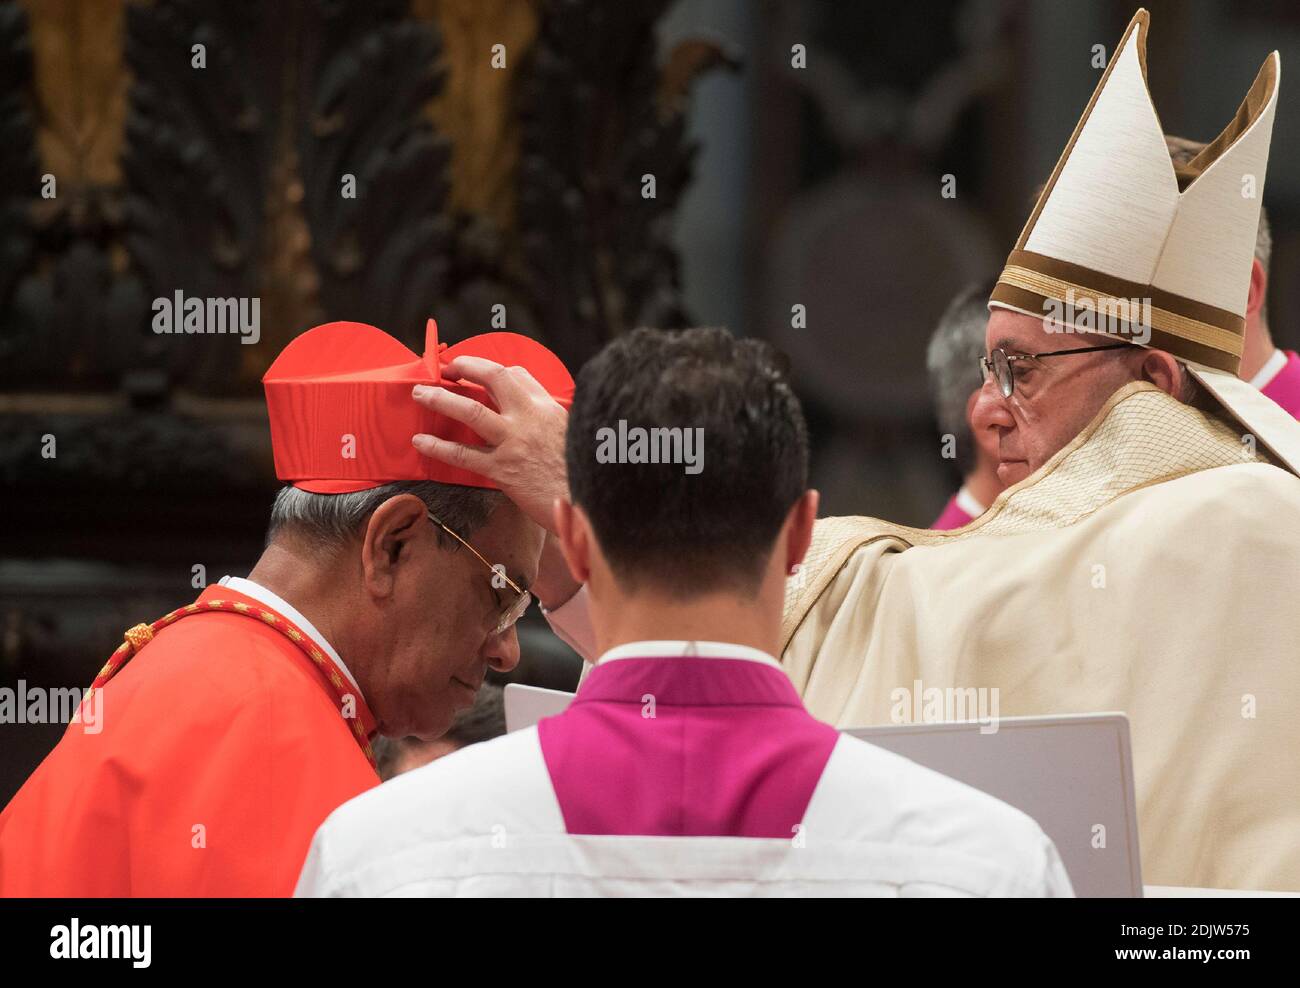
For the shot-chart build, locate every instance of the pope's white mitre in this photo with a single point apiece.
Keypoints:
(1119, 229)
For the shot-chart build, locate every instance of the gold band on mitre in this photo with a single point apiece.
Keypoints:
(1190, 330)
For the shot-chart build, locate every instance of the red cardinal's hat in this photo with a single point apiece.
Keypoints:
(342, 415)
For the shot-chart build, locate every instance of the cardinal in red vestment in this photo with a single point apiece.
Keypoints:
(216, 739)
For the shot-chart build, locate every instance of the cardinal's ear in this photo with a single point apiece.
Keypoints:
(393, 532)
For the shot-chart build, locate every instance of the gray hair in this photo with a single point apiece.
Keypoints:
(328, 521)
(952, 359)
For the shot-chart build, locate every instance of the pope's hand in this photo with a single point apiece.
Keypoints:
(523, 455)
(524, 451)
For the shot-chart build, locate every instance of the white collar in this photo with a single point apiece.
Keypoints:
(281, 606)
(966, 501)
(685, 649)
(1272, 367)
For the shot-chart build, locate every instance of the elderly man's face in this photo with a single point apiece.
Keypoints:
(440, 626)
(1053, 399)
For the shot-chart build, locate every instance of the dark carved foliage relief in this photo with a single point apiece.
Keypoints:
(599, 255)
(232, 187)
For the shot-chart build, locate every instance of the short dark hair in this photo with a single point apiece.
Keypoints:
(687, 529)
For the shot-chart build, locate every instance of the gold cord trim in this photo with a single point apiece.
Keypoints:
(1193, 330)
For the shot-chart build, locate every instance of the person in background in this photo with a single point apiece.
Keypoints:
(953, 360)
(482, 722)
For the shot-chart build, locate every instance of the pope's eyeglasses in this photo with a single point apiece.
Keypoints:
(998, 363)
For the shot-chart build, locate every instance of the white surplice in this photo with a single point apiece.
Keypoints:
(679, 769)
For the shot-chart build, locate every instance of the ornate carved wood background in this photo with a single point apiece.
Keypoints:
(476, 185)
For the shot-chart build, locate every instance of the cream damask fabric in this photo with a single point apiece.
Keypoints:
(1151, 568)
